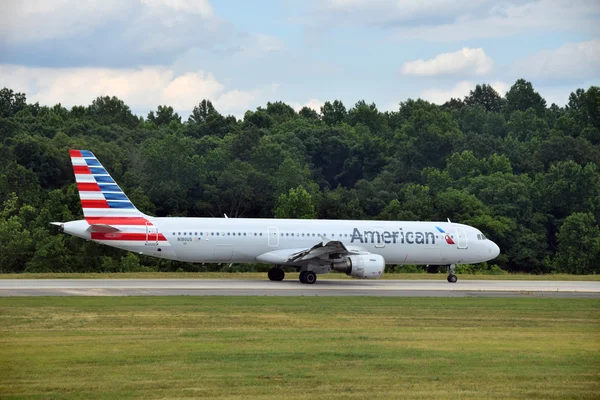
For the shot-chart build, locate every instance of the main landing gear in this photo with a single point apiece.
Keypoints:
(451, 277)
(308, 277)
(276, 274)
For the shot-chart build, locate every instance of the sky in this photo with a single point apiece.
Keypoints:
(243, 54)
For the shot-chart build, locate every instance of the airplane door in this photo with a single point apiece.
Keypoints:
(462, 238)
(151, 235)
(273, 234)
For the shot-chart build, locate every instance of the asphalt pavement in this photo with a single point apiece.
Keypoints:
(323, 287)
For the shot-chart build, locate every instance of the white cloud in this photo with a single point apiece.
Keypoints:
(31, 20)
(509, 19)
(312, 103)
(465, 61)
(459, 91)
(447, 20)
(200, 7)
(141, 88)
(121, 28)
(400, 10)
(570, 62)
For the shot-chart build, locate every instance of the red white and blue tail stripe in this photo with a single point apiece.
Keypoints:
(112, 216)
(99, 193)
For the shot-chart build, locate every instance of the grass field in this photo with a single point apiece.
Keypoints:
(299, 348)
(263, 275)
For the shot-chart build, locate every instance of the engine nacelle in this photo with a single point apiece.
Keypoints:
(364, 266)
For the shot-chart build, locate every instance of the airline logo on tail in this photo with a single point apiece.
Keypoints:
(106, 208)
(99, 193)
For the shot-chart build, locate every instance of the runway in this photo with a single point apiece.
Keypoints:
(323, 287)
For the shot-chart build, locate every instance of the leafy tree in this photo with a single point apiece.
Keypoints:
(11, 103)
(333, 113)
(164, 116)
(308, 113)
(368, 115)
(296, 204)
(579, 245)
(521, 96)
(524, 173)
(280, 111)
(111, 110)
(201, 112)
(486, 96)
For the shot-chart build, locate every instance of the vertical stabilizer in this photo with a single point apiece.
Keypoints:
(101, 198)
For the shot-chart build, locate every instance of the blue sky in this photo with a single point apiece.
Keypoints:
(242, 54)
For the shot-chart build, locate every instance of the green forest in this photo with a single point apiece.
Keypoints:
(522, 171)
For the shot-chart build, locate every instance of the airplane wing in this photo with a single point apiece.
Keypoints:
(318, 250)
(300, 256)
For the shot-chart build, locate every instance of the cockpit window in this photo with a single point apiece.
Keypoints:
(479, 236)
(483, 237)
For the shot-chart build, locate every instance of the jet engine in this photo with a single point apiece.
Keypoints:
(364, 266)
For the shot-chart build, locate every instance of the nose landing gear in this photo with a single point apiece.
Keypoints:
(451, 277)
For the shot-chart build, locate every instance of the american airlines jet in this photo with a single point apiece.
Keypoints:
(360, 249)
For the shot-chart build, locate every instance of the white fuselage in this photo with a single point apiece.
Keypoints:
(243, 240)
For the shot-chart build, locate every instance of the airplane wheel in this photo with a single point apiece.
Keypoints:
(302, 275)
(452, 278)
(310, 277)
(276, 274)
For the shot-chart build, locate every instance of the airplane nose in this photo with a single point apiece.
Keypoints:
(494, 250)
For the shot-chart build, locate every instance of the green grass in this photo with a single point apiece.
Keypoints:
(299, 348)
(263, 276)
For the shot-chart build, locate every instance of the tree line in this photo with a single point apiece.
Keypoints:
(523, 172)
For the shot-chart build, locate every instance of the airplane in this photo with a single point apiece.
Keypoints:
(360, 249)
